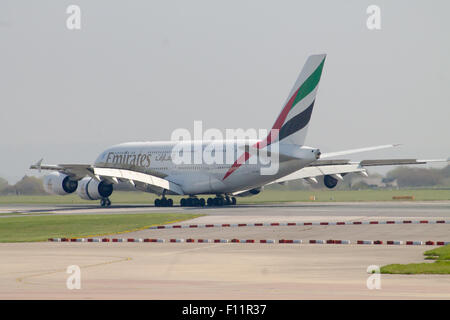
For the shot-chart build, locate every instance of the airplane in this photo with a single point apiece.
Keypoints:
(150, 166)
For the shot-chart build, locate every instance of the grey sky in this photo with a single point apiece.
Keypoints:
(137, 70)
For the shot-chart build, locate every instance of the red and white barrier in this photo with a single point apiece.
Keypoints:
(300, 224)
(338, 241)
(176, 240)
(220, 240)
(394, 242)
(290, 241)
(364, 242)
(414, 243)
(154, 240)
(283, 241)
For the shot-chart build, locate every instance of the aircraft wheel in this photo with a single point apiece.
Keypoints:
(157, 203)
(202, 202)
(169, 202)
(183, 202)
(233, 201)
(210, 202)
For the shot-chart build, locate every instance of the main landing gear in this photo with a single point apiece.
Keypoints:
(163, 202)
(219, 201)
(192, 202)
(211, 202)
(105, 202)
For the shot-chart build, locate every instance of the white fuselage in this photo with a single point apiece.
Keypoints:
(198, 170)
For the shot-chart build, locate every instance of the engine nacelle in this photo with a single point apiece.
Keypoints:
(250, 193)
(91, 189)
(59, 183)
(329, 181)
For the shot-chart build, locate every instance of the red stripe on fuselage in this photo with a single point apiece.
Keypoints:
(268, 140)
(237, 164)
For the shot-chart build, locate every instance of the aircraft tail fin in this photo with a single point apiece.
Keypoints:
(293, 120)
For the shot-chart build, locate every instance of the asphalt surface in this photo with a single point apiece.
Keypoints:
(211, 271)
(230, 270)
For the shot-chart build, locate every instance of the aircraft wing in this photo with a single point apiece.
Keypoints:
(79, 171)
(75, 171)
(336, 168)
(312, 172)
(132, 176)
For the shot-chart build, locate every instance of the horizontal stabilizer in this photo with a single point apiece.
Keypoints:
(352, 151)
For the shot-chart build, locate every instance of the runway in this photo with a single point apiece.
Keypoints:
(366, 209)
(234, 270)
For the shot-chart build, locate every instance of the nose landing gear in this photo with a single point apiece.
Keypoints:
(105, 202)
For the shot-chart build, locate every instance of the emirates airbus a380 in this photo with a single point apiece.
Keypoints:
(151, 166)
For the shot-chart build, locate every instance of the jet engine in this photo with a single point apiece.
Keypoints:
(329, 181)
(91, 189)
(59, 183)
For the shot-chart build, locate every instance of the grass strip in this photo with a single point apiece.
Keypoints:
(441, 265)
(40, 228)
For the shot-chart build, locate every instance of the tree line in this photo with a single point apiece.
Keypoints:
(405, 177)
(26, 186)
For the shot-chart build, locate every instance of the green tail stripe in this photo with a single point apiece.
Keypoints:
(309, 85)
